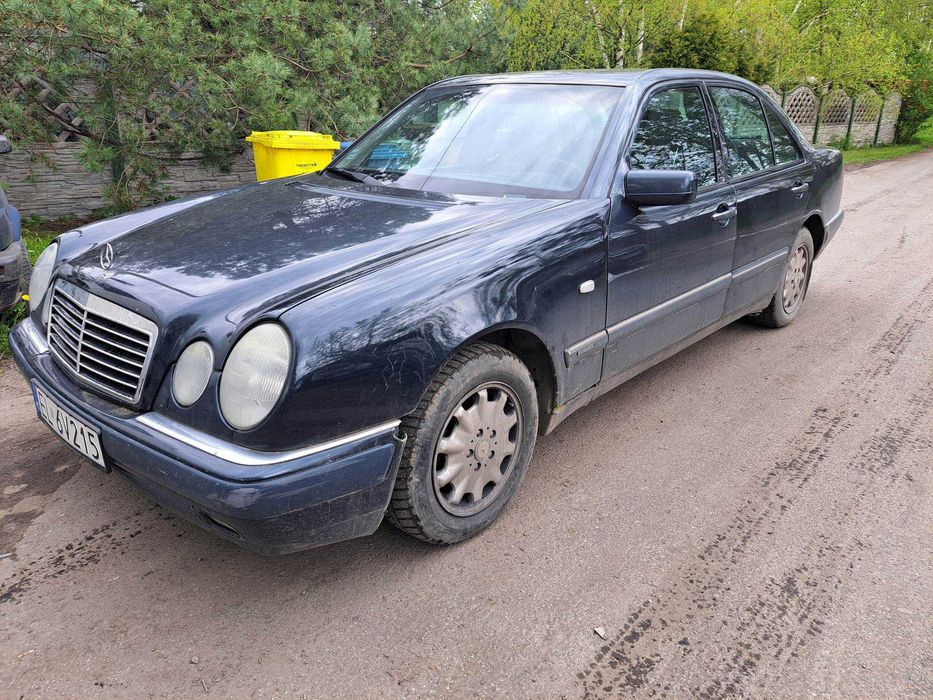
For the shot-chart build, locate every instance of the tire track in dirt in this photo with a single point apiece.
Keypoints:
(36, 462)
(770, 630)
(110, 539)
(789, 613)
(885, 194)
(29, 482)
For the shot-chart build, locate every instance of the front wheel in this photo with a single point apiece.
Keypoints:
(469, 442)
(789, 297)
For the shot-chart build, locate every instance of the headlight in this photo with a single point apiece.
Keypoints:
(41, 276)
(192, 371)
(254, 375)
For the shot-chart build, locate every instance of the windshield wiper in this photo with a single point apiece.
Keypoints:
(351, 175)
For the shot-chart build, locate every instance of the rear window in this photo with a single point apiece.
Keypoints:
(745, 130)
(785, 150)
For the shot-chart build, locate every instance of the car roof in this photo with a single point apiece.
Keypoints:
(616, 78)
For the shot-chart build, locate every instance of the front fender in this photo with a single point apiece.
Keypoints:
(367, 351)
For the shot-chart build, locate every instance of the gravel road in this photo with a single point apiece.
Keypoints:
(752, 517)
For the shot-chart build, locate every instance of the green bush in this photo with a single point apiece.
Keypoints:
(917, 104)
(707, 42)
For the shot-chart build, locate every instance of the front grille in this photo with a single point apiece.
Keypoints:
(101, 343)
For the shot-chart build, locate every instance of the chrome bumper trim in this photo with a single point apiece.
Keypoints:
(836, 221)
(243, 455)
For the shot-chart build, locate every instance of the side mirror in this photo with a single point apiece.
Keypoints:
(5, 145)
(644, 188)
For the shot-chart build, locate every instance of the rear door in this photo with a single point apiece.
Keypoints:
(771, 180)
(669, 266)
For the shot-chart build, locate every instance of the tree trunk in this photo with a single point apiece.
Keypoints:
(600, 32)
(640, 46)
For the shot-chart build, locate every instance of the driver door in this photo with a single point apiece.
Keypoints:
(669, 266)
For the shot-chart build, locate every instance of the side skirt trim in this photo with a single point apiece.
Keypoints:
(756, 266)
(562, 412)
(642, 320)
(586, 347)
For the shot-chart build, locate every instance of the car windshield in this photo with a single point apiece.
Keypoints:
(507, 139)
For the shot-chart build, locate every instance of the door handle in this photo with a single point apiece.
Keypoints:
(800, 187)
(724, 215)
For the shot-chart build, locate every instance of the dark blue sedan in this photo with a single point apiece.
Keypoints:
(288, 363)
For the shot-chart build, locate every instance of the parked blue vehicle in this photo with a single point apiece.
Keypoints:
(287, 363)
(14, 259)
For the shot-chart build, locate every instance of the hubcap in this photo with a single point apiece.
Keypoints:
(795, 279)
(474, 455)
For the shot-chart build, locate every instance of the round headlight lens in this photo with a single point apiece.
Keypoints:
(41, 276)
(192, 371)
(254, 375)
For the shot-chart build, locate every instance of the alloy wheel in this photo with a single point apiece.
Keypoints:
(795, 279)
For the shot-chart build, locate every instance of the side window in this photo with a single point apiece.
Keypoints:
(674, 134)
(785, 150)
(745, 129)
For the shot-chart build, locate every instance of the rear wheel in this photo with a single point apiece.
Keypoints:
(468, 444)
(789, 297)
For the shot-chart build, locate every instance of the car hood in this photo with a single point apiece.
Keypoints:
(285, 238)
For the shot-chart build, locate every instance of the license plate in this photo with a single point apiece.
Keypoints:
(79, 435)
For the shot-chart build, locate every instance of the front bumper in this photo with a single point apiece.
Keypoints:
(272, 503)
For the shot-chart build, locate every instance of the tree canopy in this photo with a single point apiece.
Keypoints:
(852, 44)
(142, 83)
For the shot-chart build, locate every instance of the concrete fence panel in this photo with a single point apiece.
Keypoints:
(802, 106)
(865, 120)
(49, 181)
(892, 108)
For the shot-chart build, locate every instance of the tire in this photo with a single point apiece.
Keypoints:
(779, 313)
(480, 383)
(25, 271)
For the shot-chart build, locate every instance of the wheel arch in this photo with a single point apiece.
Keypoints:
(814, 222)
(527, 346)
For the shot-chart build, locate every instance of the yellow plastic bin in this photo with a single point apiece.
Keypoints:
(283, 153)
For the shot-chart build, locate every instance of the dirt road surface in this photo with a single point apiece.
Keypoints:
(752, 517)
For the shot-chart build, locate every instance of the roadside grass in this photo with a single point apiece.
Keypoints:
(37, 234)
(869, 154)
